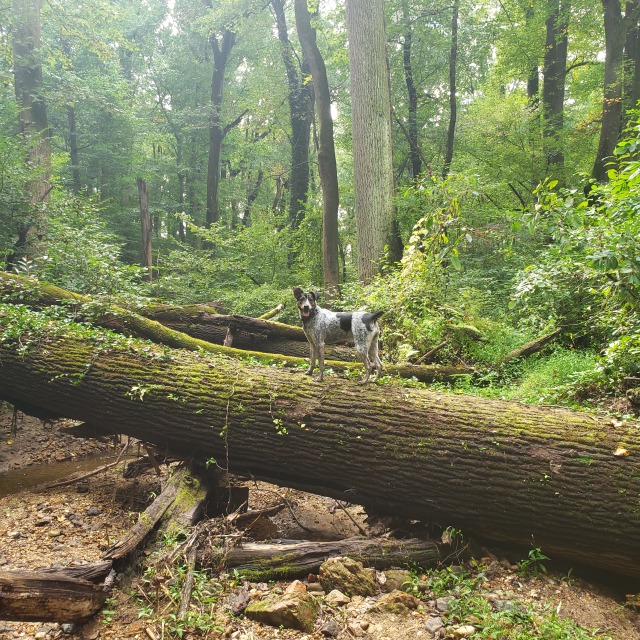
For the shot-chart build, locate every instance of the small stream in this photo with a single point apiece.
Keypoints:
(27, 478)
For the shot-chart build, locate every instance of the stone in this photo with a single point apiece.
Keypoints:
(239, 601)
(69, 628)
(330, 628)
(442, 604)
(291, 611)
(296, 587)
(464, 631)
(337, 598)
(507, 605)
(395, 579)
(93, 511)
(315, 587)
(433, 625)
(396, 602)
(347, 576)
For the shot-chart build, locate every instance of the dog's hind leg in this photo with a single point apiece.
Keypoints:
(375, 358)
(364, 356)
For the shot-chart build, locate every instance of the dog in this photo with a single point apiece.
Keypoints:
(323, 326)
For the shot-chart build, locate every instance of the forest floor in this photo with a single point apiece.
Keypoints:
(76, 523)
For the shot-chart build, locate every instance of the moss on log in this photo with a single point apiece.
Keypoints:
(506, 471)
(15, 288)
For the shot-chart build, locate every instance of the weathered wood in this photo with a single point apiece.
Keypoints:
(531, 347)
(211, 327)
(505, 471)
(293, 558)
(147, 520)
(271, 314)
(31, 596)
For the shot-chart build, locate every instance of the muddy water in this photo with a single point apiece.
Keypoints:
(27, 478)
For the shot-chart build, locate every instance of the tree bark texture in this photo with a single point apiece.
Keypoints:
(221, 47)
(612, 97)
(327, 166)
(291, 559)
(33, 124)
(34, 596)
(505, 471)
(553, 86)
(300, 98)
(412, 95)
(145, 227)
(453, 100)
(15, 288)
(371, 134)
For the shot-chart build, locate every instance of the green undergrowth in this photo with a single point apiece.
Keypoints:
(493, 614)
(554, 378)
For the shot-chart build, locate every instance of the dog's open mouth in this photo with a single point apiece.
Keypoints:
(305, 313)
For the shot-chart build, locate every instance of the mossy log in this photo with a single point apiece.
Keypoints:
(183, 496)
(506, 471)
(531, 347)
(23, 290)
(38, 596)
(289, 559)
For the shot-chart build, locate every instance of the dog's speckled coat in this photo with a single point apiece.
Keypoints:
(323, 326)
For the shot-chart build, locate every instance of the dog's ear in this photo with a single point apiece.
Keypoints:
(297, 292)
(315, 295)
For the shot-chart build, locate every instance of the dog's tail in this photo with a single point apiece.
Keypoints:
(369, 319)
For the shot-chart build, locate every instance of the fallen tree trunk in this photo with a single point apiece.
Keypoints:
(531, 347)
(505, 471)
(19, 289)
(34, 596)
(183, 489)
(288, 559)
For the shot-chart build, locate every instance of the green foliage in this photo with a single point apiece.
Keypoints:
(533, 564)
(467, 587)
(82, 255)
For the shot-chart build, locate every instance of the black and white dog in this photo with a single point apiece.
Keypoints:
(323, 326)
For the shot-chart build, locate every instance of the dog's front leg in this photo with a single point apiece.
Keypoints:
(312, 359)
(320, 360)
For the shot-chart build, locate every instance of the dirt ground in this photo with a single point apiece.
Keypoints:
(74, 524)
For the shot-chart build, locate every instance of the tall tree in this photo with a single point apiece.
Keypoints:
(145, 226)
(327, 166)
(612, 96)
(453, 101)
(221, 45)
(553, 87)
(412, 93)
(33, 125)
(300, 99)
(371, 135)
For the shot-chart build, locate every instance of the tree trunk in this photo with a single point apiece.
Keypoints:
(288, 559)
(300, 98)
(612, 97)
(453, 102)
(32, 123)
(412, 95)
(36, 596)
(327, 166)
(505, 471)
(74, 154)
(630, 55)
(373, 180)
(221, 48)
(555, 69)
(145, 227)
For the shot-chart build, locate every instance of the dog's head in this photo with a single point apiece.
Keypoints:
(306, 303)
